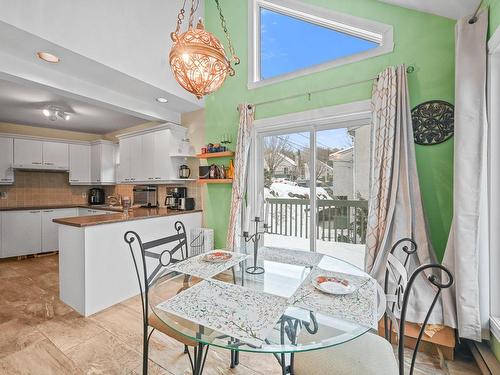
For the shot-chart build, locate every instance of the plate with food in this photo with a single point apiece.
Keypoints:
(333, 285)
(218, 256)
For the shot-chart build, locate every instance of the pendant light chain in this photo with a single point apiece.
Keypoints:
(192, 12)
(180, 18)
(226, 32)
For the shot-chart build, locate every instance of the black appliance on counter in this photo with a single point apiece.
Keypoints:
(174, 196)
(96, 196)
(186, 204)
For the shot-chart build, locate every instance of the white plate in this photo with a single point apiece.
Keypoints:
(217, 256)
(333, 285)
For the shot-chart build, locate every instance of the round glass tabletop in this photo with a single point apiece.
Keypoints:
(278, 311)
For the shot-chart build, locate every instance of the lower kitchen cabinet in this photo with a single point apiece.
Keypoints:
(49, 228)
(27, 232)
(21, 232)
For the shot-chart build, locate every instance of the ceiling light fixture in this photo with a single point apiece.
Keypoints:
(46, 56)
(197, 58)
(53, 112)
(161, 100)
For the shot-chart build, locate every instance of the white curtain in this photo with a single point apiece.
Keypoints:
(241, 160)
(395, 204)
(466, 304)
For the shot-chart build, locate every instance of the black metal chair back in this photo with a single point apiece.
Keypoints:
(172, 249)
(397, 271)
(438, 286)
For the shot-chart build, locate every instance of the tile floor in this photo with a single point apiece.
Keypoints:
(40, 335)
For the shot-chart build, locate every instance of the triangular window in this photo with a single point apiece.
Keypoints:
(293, 39)
(288, 44)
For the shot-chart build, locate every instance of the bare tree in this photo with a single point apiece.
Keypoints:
(276, 149)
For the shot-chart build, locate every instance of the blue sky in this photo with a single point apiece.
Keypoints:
(289, 44)
(333, 138)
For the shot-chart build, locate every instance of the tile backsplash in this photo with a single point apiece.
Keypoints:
(46, 188)
(42, 188)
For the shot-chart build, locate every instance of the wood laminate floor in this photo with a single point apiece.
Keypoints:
(40, 335)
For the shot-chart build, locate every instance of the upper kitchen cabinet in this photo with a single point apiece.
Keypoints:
(145, 156)
(55, 155)
(6, 160)
(28, 153)
(79, 164)
(102, 161)
(37, 154)
(130, 169)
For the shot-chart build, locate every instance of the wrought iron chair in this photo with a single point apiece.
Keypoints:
(371, 354)
(165, 257)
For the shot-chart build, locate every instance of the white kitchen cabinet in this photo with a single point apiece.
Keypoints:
(79, 164)
(28, 153)
(21, 233)
(55, 155)
(6, 160)
(49, 228)
(148, 156)
(102, 160)
(131, 160)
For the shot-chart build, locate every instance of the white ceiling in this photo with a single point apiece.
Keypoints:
(118, 45)
(454, 9)
(23, 105)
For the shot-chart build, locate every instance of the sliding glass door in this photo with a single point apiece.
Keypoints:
(325, 172)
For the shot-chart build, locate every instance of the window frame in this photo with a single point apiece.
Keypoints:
(355, 26)
(344, 115)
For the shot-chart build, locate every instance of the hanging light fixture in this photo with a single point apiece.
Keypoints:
(197, 58)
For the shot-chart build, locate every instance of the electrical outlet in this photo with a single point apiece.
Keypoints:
(3, 195)
(84, 195)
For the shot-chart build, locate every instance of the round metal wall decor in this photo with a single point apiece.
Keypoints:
(433, 122)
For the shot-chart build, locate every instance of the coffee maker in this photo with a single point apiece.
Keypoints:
(173, 198)
(96, 196)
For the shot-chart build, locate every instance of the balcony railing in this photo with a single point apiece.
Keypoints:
(337, 220)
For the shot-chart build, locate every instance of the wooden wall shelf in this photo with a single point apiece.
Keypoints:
(225, 154)
(215, 181)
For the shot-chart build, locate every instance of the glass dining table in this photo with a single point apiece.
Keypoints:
(282, 311)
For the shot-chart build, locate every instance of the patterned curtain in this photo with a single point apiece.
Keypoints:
(395, 203)
(241, 159)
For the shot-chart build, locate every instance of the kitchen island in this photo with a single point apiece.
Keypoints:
(96, 269)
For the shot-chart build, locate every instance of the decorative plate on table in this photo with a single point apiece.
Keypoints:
(333, 285)
(217, 256)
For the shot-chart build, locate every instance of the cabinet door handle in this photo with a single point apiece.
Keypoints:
(6, 179)
(34, 212)
(48, 211)
(73, 180)
(49, 163)
(157, 178)
(36, 162)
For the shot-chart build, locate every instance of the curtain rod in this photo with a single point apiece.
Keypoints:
(410, 69)
(473, 18)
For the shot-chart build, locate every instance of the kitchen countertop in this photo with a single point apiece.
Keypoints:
(56, 206)
(134, 214)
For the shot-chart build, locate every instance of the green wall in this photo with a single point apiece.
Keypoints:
(422, 40)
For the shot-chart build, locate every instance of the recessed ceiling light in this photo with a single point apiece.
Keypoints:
(161, 100)
(46, 56)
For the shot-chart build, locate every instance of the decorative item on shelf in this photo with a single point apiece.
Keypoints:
(184, 171)
(230, 173)
(433, 122)
(204, 172)
(255, 238)
(226, 139)
(197, 58)
(214, 171)
(222, 172)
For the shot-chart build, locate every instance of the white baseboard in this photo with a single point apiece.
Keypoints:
(495, 327)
